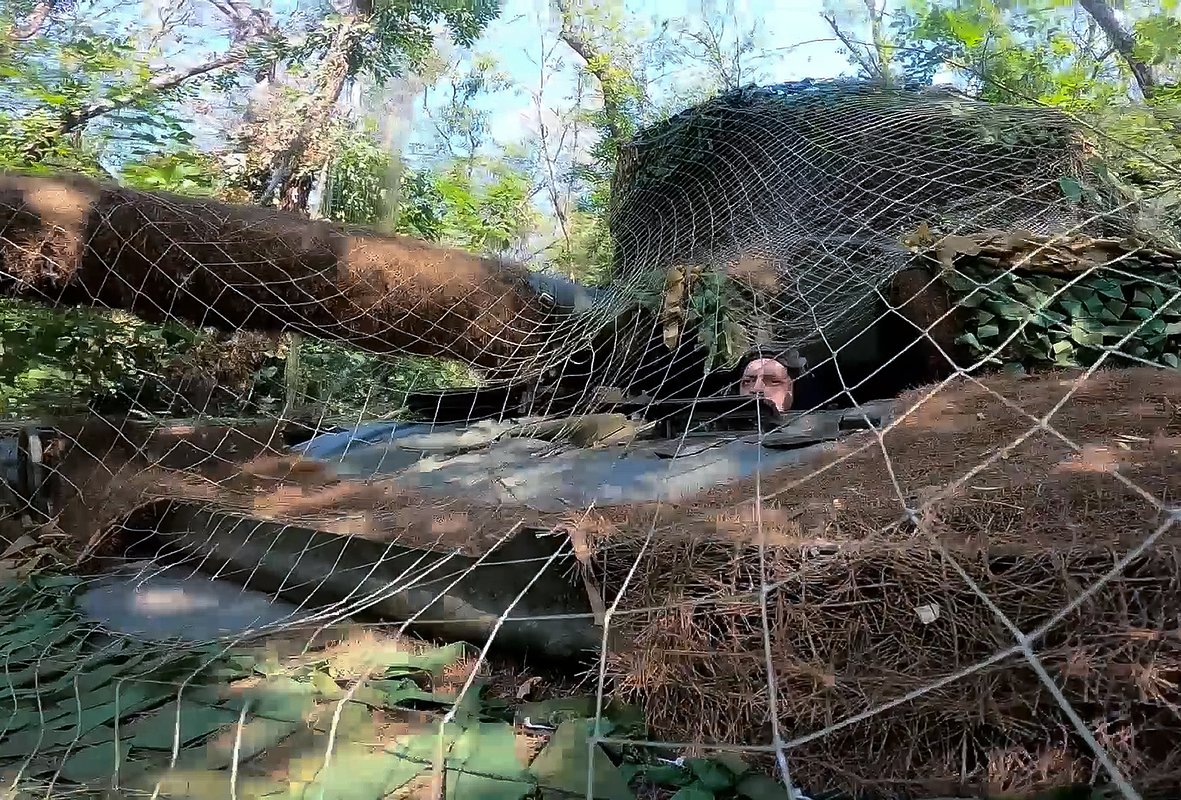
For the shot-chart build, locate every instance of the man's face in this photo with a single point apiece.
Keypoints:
(769, 378)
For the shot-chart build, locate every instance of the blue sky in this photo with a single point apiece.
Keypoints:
(794, 42)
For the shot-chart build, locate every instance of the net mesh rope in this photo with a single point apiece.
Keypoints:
(976, 590)
(822, 181)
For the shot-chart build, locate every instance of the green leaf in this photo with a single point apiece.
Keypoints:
(133, 699)
(280, 699)
(194, 720)
(395, 693)
(1109, 287)
(1155, 327)
(326, 686)
(1171, 359)
(1071, 189)
(1032, 294)
(759, 787)
(1048, 283)
(484, 763)
(988, 332)
(733, 762)
(203, 784)
(970, 340)
(1116, 308)
(355, 721)
(423, 750)
(253, 737)
(694, 791)
(357, 772)
(92, 763)
(665, 774)
(1121, 330)
(434, 660)
(710, 774)
(565, 763)
(27, 629)
(973, 300)
(958, 282)
(557, 710)
(1086, 338)
(1092, 302)
(1010, 311)
(1061, 346)
(489, 748)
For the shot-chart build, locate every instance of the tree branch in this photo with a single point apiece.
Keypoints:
(1124, 43)
(34, 22)
(74, 120)
(868, 64)
(596, 64)
(332, 76)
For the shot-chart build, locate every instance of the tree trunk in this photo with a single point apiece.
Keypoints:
(1124, 44)
(68, 241)
(293, 190)
(598, 65)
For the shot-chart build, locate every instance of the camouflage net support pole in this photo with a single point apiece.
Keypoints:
(68, 241)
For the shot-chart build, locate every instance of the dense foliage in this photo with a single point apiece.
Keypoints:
(1060, 56)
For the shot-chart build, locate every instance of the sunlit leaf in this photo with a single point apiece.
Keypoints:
(565, 764)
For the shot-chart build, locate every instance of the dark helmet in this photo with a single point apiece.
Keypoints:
(789, 358)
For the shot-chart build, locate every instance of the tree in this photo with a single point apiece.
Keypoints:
(725, 53)
(61, 75)
(461, 126)
(1123, 42)
(1054, 54)
(380, 42)
(90, 98)
(874, 59)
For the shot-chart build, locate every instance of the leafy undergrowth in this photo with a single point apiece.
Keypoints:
(362, 719)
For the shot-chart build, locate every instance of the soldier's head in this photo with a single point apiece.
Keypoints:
(771, 376)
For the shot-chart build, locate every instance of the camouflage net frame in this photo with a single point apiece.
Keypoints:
(979, 594)
(803, 193)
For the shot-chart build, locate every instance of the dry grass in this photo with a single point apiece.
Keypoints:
(852, 572)
(857, 545)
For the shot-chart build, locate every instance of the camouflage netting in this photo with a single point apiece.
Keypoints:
(872, 611)
(863, 611)
(804, 193)
(68, 241)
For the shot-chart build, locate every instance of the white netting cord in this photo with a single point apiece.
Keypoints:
(817, 204)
